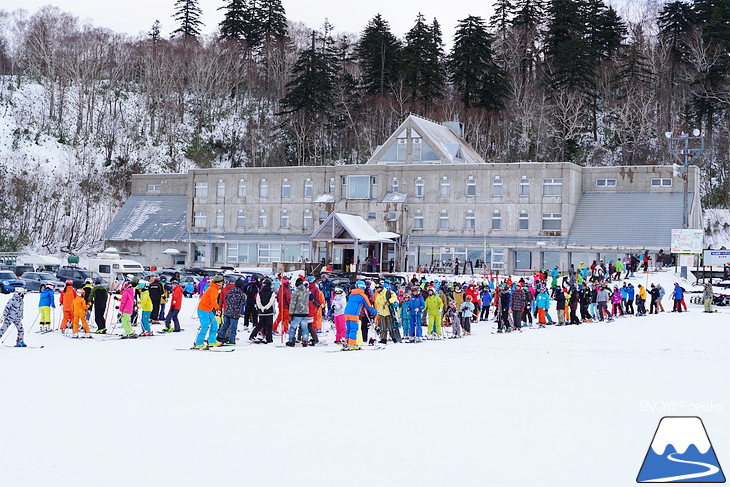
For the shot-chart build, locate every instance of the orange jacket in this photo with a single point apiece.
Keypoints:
(209, 299)
(80, 306)
(67, 297)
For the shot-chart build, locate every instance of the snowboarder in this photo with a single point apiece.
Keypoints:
(13, 315)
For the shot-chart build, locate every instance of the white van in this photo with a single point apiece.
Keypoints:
(111, 267)
(40, 262)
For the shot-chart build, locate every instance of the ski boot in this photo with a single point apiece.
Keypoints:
(20, 344)
(305, 343)
(290, 344)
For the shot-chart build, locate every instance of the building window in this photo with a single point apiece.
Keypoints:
(241, 219)
(392, 216)
(371, 215)
(552, 221)
(263, 219)
(498, 256)
(323, 214)
(263, 189)
(418, 220)
(470, 220)
(200, 219)
(552, 187)
(471, 186)
(153, 188)
(358, 187)
(308, 188)
(220, 190)
(241, 188)
(445, 186)
(394, 185)
(201, 190)
(523, 260)
(496, 220)
(284, 218)
(444, 220)
(285, 189)
(661, 182)
(497, 186)
(219, 219)
(524, 186)
(332, 186)
(420, 187)
(199, 252)
(307, 219)
(606, 183)
(524, 220)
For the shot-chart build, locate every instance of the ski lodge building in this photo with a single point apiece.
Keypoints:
(424, 198)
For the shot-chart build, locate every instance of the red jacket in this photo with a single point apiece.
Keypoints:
(177, 296)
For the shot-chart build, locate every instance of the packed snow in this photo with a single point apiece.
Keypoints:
(561, 406)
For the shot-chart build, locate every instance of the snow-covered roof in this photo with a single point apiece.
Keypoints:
(395, 198)
(637, 219)
(324, 198)
(342, 226)
(150, 217)
(445, 146)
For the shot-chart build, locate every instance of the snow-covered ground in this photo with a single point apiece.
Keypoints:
(568, 406)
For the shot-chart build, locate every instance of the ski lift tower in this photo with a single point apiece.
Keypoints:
(685, 149)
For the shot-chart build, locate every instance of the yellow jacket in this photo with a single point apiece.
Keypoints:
(381, 303)
(145, 303)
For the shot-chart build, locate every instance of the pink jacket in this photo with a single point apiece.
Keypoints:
(127, 304)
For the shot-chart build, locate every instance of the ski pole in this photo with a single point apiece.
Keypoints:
(32, 325)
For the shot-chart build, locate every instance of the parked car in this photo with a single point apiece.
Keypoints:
(78, 276)
(9, 281)
(17, 269)
(35, 281)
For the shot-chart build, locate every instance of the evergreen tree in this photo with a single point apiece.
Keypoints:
(233, 25)
(272, 20)
(423, 71)
(714, 18)
(312, 88)
(604, 29)
(379, 54)
(527, 21)
(187, 13)
(675, 21)
(474, 73)
(154, 33)
(569, 54)
(528, 14)
(501, 19)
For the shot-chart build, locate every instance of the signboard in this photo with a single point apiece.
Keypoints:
(687, 241)
(716, 257)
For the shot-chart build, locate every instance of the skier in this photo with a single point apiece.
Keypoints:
(66, 299)
(384, 301)
(467, 311)
(13, 315)
(355, 302)
(434, 307)
(486, 297)
(266, 307)
(299, 312)
(616, 299)
(452, 318)
(707, 296)
(46, 302)
(542, 301)
(678, 296)
(404, 316)
(630, 294)
(640, 300)
(283, 296)
(175, 306)
(250, 317)
(154, 292)
(207, 308)
(79, 307)
(602, 303)
(338, 310)
(518, 305)
(126, 307)
(99, 298)
(416, 304)
(145, 306)
(233, 305)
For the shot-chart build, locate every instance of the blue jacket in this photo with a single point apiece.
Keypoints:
(630, 292)
(542, 300)
(486, 298)
(678, 292)
(416, 303)
(47, 298)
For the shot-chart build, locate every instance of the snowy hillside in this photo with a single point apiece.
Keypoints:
(569, 406)
(717, 228)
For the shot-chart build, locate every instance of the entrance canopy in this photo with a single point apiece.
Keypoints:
(344, 228)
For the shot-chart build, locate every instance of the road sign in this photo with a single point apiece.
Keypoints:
(716, 257)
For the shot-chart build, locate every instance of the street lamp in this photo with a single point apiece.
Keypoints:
(685, 149)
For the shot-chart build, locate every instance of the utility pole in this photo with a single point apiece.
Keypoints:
(685, 149)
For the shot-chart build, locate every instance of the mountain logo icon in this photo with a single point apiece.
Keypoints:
(680, 452)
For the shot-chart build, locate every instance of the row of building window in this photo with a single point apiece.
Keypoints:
(550, 221)
(361, 187)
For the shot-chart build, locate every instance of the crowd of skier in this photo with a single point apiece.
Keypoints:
(373, 311)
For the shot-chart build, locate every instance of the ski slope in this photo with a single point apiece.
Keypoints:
(561, 406)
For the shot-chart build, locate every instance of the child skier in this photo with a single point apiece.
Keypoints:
(357, 301)
(146, 306)
(452, 317)
(434, 307)
(467, 310)
(416, 304)
(13, 315)
(46, 302)
(126, 306)
(79, 307)
(338, 308)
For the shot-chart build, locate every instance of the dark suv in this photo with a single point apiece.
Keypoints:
(77, 275)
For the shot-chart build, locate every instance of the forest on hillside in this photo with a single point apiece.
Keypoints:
(82, 108)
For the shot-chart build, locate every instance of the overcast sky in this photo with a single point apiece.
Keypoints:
(135, 16)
